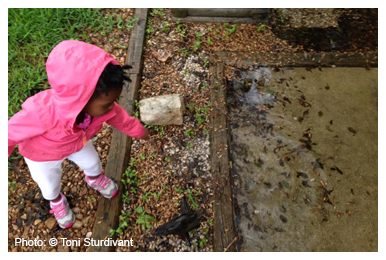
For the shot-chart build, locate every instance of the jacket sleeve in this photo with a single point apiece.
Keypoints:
(24, 125)
(125, 123)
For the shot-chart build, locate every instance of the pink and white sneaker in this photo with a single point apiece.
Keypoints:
(107, 187)
(62, 212)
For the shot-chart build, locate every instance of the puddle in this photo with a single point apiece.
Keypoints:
(304, 159)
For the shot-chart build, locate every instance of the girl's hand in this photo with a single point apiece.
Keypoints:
(146, 135)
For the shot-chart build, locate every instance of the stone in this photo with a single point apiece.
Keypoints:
(51, 223)
(89, 234)
(83, 192)
(76, 210)
(162, 110)
(37, 222)
(74, 189)
(78, 224)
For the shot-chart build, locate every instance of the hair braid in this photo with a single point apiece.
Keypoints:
(112, 77)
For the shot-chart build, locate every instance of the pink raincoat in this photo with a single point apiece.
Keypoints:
(44, 128)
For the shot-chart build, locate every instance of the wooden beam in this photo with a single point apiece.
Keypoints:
(225, 12)
(108, 211)
(220, 15)
(323, 59)
(224, 223)
(230, 20)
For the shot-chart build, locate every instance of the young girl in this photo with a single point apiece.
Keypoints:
(58, 123)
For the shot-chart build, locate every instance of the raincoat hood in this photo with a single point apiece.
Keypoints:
(73, 70)
(44, 128)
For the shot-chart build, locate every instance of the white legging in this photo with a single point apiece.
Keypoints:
(48, 174)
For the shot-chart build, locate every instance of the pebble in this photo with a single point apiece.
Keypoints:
(83, 192)
(89, 234)
(51, 223)
(76, 210)
(78, 224)
(37, 222)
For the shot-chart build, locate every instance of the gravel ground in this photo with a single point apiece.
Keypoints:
(174, 162)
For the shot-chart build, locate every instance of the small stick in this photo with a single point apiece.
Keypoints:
(234, 240)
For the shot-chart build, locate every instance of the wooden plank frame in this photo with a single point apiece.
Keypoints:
(220, 15)
(225, 231)
(224, 224)
(108, 211)
(321, 59)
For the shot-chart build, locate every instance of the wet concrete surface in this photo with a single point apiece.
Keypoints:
(304, 150)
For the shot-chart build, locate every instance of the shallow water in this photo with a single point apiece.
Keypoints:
(304, 149)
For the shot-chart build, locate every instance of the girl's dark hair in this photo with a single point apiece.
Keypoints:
(112, 77)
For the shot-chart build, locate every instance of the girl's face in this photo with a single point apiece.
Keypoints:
(102, 104)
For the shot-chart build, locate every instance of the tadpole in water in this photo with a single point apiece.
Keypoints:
(304, 103)
(317, 164)
(286, 174)
(281, 162)
(352, 130)
(284, 219)
(281, 80)
(352, 192)
(320, 113)
(305, 184)
(302, 174)
(326, 193)
(286, 99)
(307, 142)
(331, 122)
(327, 86)
(257, 228)
(336, 169)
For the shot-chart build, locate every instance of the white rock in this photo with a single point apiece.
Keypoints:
(162, 110)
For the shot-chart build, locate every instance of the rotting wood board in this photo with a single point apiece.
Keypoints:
(322, 59)
(108, 211)
(224, 224)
